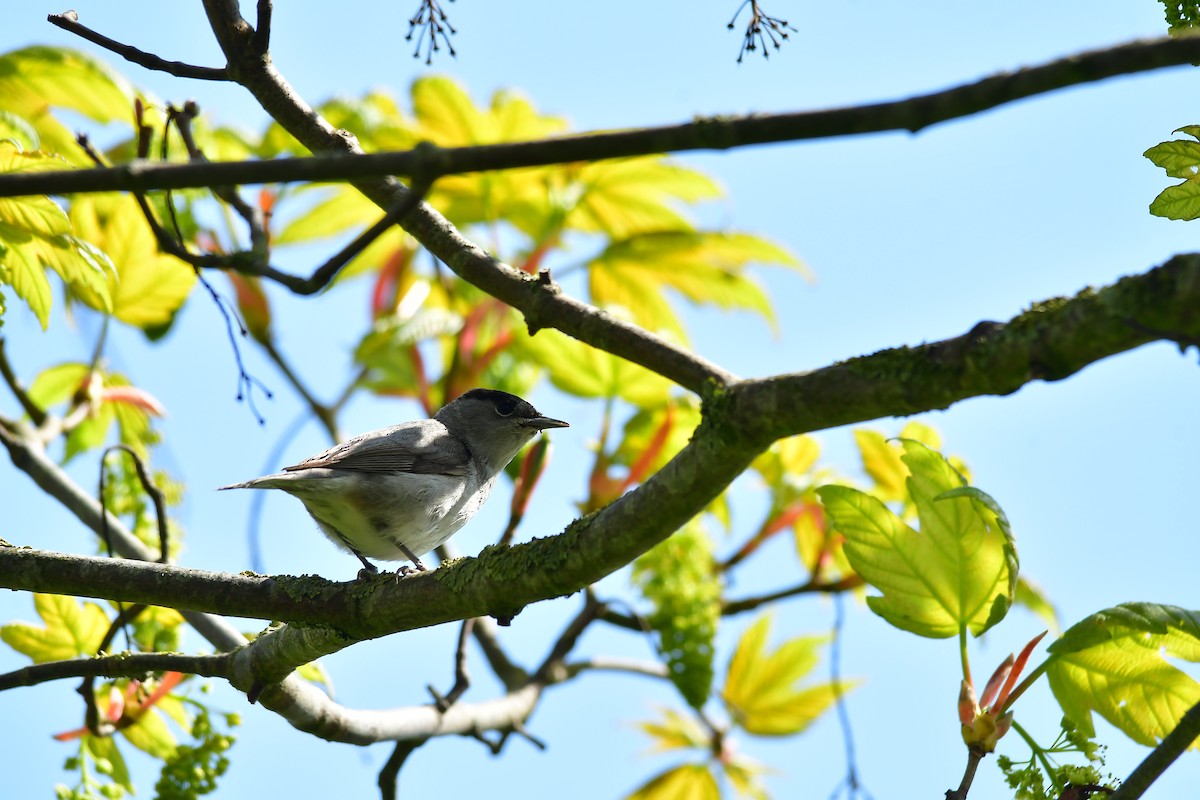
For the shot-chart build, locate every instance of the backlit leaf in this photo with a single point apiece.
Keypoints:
(148, 287)
(706, 268)
(151, 735)
(35, 233)
(675, 731)
(959, 571)
(36, 80)
(69, 630)
(1115, 664)
(1181, 201)
(685, 782)
(585, 371)
(624, 197)
(760, 690)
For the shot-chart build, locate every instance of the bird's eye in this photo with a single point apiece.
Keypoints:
(505, 407)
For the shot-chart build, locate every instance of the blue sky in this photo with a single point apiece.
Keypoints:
(912, 238)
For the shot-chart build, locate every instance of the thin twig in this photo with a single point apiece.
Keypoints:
(324, 413)
(552, 669)
(462, 680)
(261, 41)
(853, 788)
(151, 489)
(731, 607)
(391, 768)
(70, 22)
(973, 758)
(36, 415)
(118, 665)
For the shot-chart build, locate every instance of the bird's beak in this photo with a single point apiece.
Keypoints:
(542, 423)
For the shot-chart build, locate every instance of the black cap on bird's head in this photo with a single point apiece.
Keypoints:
(507, 405)
(498, 424)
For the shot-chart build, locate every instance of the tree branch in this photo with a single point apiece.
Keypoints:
(704, 133)
(1052, 340)
(1048, 342)
(119, 665)
(731, 607)
(70, 22)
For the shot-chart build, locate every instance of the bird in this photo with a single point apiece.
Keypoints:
(397, 493)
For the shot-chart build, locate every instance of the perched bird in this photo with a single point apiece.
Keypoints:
(399, 492)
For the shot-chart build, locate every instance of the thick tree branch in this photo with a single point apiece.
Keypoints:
(1051, 341)
(705, 133)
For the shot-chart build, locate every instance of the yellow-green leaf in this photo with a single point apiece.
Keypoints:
(788, 459)
(57, 384)
(1030, 595)
(760, 690)
(151, 735)
(745, 776)
(959, 571)
(882, 463)
(70, 630)
(705, 267)
(585, 371)
(35, 80)
(35, 233)
(685, 782)
(675, 731)
(1115, 663)
(624, 197)
(148, 287)
(315, 672)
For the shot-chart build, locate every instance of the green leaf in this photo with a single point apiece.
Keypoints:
(1181, 201)
(958, 572)
(676, 732)
(388, 350)
(1115, 663)
(584, 371)
(1179, 159)
(760, 687)
(685, 782)
(70, 630)
(679, 578)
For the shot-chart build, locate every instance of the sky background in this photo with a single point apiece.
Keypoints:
(912, 238)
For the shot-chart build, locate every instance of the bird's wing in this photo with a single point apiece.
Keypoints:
(423, 447)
